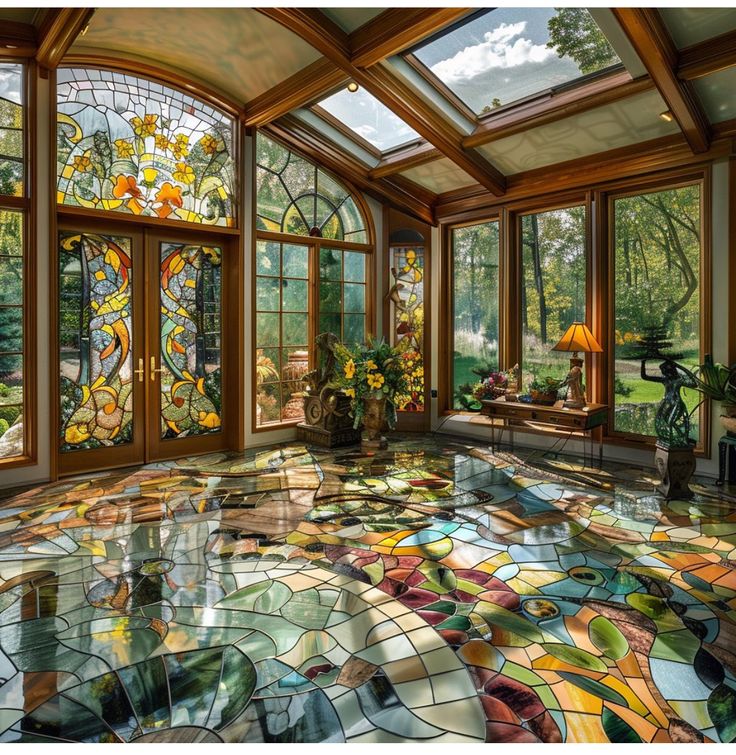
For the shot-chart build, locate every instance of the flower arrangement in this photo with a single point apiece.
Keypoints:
(492, 386)
(372, 371)
(544, 390)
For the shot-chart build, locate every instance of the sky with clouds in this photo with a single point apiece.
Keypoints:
(10, 82)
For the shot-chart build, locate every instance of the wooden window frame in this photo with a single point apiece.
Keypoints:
(672, 180)
(599, 297)
(26, 205)
(314, 244)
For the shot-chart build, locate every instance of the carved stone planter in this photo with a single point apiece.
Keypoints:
(675, 467)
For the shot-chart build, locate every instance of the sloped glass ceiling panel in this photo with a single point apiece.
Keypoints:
(506, 54)
(362, 113)
(688, 26)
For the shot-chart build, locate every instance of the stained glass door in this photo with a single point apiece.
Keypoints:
(185, 345)
(101, 382)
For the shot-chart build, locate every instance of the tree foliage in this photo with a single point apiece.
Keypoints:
(573, 33)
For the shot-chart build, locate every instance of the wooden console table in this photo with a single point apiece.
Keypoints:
(587, 422)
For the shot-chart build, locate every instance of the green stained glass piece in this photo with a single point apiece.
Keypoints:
(617, 730)
(575, 657)
(594, 687)
(722, 711)
(607, 638)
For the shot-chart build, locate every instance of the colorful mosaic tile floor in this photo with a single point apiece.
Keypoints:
(434, 592)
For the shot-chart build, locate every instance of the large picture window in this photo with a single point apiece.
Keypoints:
(475, 308)
(312, 275)
(15, 380)
(657, 253)
(553, 287)
(135, 146)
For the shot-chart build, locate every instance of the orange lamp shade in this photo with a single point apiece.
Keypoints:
(578, 338)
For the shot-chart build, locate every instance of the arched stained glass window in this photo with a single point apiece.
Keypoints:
(295, 196)
(135, 146)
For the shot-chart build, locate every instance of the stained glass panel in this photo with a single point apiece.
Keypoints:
(95, 341)
(295, 196)
(191, 376)
(407, 316)
(131, 145)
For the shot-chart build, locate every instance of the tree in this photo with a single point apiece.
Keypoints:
(573, 33)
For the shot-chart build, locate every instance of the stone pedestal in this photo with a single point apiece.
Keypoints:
(675, 467)
(320, 436)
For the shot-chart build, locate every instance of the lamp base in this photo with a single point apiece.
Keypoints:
(575, 404)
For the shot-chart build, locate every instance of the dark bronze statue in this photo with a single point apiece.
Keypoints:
(327, 420)
(672, 422)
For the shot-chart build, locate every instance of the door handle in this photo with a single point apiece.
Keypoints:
(154, 369)
(140, 370)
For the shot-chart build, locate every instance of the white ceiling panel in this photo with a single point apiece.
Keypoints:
(619, 124)
(350, 19)
(439, 175)
(688, 26)
(716, 92)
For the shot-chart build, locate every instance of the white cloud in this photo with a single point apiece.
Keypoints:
(365, 131)
(10, 83)
(496, 51)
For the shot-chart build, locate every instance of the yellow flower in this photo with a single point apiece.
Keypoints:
(371, 365)
(349, 369)
(375, 380)
(209, 144)
(150, 175)
(180, 147)
(145, 127)
(125, 149)
(183, 173)
(208, 419)
(162, 142)
(349, 392)
(82, 163)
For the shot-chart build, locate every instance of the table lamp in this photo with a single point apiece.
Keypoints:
(577, 338)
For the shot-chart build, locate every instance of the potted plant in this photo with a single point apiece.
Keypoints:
(544, 390)
(371, 375)
(265, 370)
(491, 387)
(718, 383)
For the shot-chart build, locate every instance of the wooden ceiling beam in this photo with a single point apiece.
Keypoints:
(325, 36)
(404, 159)
(589, 172)
(398, 29)
(709, 56)
(58, 30)
(17, 40)
(656, 50)
(298, 90)
(555, 107)
(404, 195)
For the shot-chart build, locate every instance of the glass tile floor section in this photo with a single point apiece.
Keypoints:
(433, 592)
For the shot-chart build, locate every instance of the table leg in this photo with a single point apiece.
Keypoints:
(722, 449)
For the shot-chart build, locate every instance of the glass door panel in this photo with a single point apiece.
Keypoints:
(185, 347)
(100, 350)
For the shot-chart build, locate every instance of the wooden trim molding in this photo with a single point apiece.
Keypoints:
(709, 56)
(732, 259)
(300, 89)
(59, 29)
(589, 172)
(648, 35)
(398, 29)
(404, 159)
(554, 107)
(18, 40)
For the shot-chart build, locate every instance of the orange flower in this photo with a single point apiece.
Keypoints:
(162, 142)
(124, 186)
(169, 196)
(180, 147)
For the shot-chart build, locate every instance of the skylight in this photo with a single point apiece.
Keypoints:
(506, 54)
(369, 118)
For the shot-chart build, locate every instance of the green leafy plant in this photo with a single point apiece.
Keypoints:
(717, 382)
(546, 385)
(374, 370)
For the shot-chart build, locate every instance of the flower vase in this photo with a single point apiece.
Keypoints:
(374, 421)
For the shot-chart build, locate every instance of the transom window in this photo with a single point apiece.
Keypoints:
(135, 146)
(506, 54)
